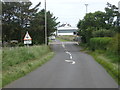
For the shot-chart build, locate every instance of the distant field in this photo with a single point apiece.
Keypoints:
(19, 61)
(62, 40)
(66, 38)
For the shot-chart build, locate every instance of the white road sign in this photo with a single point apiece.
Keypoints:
(27, 39)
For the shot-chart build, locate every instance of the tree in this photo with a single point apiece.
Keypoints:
(98, 21)
(16, 18)
(91, 22)
(38, 26)
(112, 17)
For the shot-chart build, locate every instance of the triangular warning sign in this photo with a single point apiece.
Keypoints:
(27, 36)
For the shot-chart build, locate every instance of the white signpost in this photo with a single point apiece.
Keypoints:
(27, 39)
(119, 6)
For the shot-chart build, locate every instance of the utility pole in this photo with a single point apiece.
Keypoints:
(119, 6)
(45, 25)
(86, 7)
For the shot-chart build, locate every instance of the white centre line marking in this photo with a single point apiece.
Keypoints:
(63, 45)
(70, 57)
(73, 62)
(70, 61)
(69, 54)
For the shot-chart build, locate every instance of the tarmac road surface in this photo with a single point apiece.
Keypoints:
(70, 68)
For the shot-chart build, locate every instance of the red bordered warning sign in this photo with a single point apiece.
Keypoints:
(27, 39)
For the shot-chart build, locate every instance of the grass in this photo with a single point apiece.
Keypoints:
(17, 62)
(62, 40)
(111, 68)
(65, 38)
(50, 40)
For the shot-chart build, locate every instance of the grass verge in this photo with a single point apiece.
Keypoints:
(20, 67)
(111, 68)
(106, 60)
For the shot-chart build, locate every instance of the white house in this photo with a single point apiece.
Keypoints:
(66, 29)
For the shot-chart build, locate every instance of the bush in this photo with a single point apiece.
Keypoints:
(99, 43)
(86, 34)
(103, 33)
(114, 46)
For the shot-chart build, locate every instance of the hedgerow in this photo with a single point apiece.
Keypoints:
(100, 43)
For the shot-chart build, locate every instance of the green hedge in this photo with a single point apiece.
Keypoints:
(100, 43)
(114, 46)
(103, 33)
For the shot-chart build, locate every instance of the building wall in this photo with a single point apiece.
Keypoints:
(66, 32)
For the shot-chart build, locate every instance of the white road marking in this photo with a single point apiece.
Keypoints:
(63, 45)
(70, 57)
(73, 62)
(70, 61)
(69, 54)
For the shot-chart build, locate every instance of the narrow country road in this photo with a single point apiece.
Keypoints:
(70, 68)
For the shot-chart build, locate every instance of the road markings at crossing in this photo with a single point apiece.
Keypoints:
(63, 45)
(70, 61)
(69, 54)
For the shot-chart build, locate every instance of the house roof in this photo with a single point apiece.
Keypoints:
(66, 27)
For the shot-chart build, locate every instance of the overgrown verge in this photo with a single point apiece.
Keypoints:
(106, 54)
(17, 62)
(105, 61)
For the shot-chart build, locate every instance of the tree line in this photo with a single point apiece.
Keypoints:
(101, 31)
(19, 17)
(100, 24)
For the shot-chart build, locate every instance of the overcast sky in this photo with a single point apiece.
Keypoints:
(71, 11)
